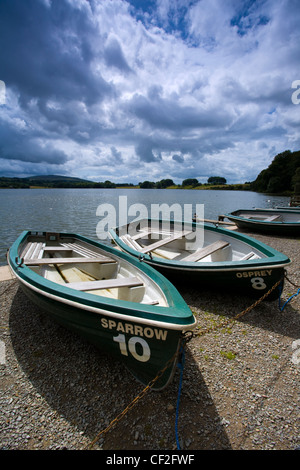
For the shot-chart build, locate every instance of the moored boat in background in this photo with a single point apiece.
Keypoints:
(269, 221)
(288, 208)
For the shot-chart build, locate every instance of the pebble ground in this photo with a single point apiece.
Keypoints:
(240, 388)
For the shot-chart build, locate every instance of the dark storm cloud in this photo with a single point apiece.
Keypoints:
(48, 62)
(48, 51)
(114, 56)
(144, 149)
(178, 158)
(18, 144)
(165, 113)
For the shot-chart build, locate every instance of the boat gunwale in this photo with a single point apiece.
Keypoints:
(273, 223)
(274, 258)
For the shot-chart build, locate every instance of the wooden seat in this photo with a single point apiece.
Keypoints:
(54, 249)
(165, 241)
(81, 250)
(43, 261)
(248, 256)
(106, 284)
(33, 249)
(132, 243)
(142, 233)
(207, 250)
(273, 218)
(128, 240)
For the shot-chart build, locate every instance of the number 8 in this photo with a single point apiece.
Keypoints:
(258, 283)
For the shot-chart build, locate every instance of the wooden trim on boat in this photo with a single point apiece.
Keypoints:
(248, 256)
(106, 284)
(207, 250)
(216, 222)
(34, 262)
(57, 248)
(165, 241)
(132, 243)
(273, 218)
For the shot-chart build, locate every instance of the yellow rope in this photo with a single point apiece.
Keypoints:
(152, 382)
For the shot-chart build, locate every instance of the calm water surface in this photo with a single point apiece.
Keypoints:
(75, 210)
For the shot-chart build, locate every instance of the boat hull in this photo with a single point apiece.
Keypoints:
(253, 282)
(144, 337)
(133, 343)
(264, 228)
(288, 208)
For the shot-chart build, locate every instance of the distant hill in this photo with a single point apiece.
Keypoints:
(54, 178)
(52, 181)
(282, 175)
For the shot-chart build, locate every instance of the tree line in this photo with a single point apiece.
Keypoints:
(188, 182)
(68, 182)
(282, 175)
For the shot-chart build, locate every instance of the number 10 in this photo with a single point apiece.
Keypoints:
(132, 347)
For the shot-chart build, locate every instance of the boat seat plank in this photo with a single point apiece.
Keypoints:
(273, 218)
(149, 231)
(57, 248)
(82, 250)
(142, 233)
(33, 249)
(106, 284)
(165, 241)
(247, 256)
(33, 262)
(131, 242)
(207, 250)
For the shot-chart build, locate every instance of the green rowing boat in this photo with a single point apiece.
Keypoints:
(268, 221)
(204, 255)
(124, 307)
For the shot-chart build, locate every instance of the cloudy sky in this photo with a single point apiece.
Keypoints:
(133, 90)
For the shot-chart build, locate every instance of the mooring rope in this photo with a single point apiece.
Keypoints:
(181, 367)
(281, 308)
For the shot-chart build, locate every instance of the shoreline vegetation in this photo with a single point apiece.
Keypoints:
(29, 183)
(282, 177)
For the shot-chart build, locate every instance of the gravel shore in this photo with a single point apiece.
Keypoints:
(240, 388)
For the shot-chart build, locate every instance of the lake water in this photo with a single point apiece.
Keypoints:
(83, 210)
